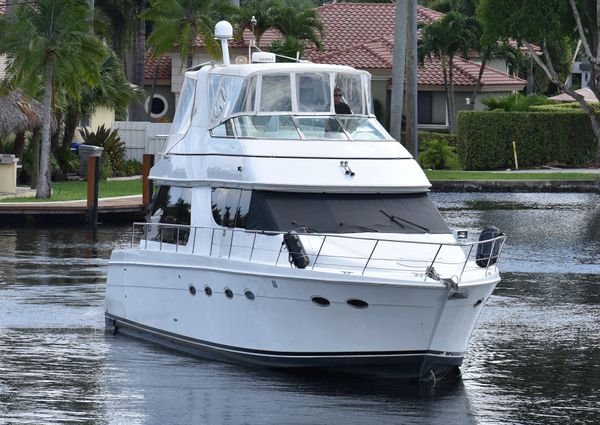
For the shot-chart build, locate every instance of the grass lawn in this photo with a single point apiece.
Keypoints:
(446, 175)
(70, 191)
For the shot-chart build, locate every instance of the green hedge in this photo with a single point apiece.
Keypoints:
(485, 139)
(426, 136)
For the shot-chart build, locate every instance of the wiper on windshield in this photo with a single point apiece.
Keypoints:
(398, 221)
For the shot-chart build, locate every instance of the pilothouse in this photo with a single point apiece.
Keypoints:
(289, 231)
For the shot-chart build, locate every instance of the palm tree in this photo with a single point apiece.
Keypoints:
(299, 21)
(444, 39)
(121, 23)
(51, 41)
(265, 12)
(180, 22)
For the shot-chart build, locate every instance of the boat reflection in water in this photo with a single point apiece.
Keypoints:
(285, 235)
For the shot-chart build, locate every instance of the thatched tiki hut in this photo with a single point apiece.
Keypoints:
(18, 115)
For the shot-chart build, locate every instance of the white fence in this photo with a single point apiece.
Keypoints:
(142, 137)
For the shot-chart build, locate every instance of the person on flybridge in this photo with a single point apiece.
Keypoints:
(340, 106)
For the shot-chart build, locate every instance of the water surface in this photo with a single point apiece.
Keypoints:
(534, 357)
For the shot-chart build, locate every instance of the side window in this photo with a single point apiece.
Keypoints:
(223, 130)
(172, 205)
(230, 207)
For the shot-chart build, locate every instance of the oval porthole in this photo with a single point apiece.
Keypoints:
(356, 303)
(320, 301)
(249, 294)
(207, 290)
(228, 293)
(478, 302)
(192, 289)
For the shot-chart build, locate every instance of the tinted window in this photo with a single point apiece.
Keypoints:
(230, 207)
(172, 205)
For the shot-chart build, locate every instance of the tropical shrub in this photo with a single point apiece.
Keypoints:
(114, 147)
(132, 167)
(63, 162)
(515, 102)
(426, 136)
(438, 155)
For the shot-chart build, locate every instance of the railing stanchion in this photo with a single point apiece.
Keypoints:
(194, 240)
(279, 254)
(433, 261)
(252, 249)
(319, 252)
(465, 263)
(369, 259)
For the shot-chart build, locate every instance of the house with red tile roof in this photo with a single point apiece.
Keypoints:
(361, 35)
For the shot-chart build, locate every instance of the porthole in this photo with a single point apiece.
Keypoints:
(207, 291)
(320, 301)
(478, 302)
(192, 289)
(228, 293)
(356, 303)
(249, 294)
(158, 106)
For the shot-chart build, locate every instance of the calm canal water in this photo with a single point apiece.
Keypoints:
(534, 357)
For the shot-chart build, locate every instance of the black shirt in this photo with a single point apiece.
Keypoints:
(342, 108)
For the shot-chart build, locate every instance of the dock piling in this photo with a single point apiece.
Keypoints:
(93, 177)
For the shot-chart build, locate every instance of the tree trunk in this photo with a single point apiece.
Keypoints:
(35, 159)
(411, 132)
(136, 108)
(152, 91)
(478, 83)
(397, 101)
(19, 144)
(190, 55)
(43, 187)
(71, 119)
(451, 103)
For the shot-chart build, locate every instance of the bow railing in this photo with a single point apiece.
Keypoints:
(340, 253)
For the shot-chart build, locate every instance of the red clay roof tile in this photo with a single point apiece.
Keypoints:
(361, 35)
(164, 68)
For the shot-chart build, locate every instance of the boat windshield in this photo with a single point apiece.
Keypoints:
(410, 213)
(302, 127)
(298, 105)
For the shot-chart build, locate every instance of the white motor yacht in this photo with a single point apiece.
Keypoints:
(284, 235)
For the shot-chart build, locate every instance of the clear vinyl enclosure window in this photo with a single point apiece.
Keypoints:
(352, 89)
(183, 114)
(313, 92)
(276, 93)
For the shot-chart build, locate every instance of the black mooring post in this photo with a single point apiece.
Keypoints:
(93, 177)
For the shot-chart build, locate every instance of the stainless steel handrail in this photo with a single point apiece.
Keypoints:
(155, 233)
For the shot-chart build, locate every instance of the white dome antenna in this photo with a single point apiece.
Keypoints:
(224, 32)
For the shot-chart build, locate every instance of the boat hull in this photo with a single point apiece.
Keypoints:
(407, 329)
(397, 364)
